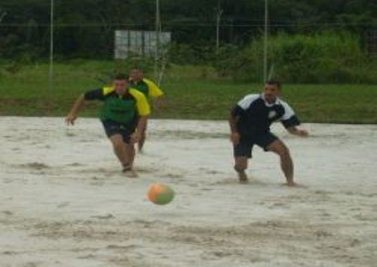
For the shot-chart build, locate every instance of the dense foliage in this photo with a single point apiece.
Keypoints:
(85, 28)
(302, 34)
(327, 57)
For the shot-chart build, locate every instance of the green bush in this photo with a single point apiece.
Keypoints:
(193, 54)
(321, 58)
(125, 66)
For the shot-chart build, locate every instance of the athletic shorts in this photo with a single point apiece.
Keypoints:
(245, 146)
(113, 128)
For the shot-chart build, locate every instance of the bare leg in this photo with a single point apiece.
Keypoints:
(143, 136)
(120, 149)
(130, 149)
(125, 153)
(240, 167)
(286, 163)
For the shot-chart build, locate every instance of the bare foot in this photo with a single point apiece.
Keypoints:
(291, 184)
(243, 177)
(131, 173)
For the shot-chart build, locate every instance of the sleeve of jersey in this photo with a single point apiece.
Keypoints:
(237, 111)
(142, 104)
(96, 94)
(289, 118)
(154, 90)
(243, 105)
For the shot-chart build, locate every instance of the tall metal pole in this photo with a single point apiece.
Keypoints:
(265, 53)
(157, 29)
(51, 68)
(2, 15)
(219, 12)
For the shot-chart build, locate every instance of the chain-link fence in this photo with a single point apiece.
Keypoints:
(219, 43)
(229, 46)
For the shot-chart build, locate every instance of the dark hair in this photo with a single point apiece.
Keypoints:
(137, 69)
(274, 82)
(120, 76)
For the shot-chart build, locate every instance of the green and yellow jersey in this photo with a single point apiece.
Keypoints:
(122, 109)
(148, 88)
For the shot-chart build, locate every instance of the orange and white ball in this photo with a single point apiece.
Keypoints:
(160, 194)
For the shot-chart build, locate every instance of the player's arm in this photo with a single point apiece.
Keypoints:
(159, 103)
(73, 113)
(299, 132)
(143, 110)
(233, 120)
(291, 122)
(155, 92)
(238, 112)
(80, 102)
(142, 122)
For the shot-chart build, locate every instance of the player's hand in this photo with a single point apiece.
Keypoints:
(235, 138)
(159, 104)
(70, 119)
(135, 137)
(302, 133)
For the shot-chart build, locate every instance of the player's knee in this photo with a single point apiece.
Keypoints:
(118, 145)
(280, 149)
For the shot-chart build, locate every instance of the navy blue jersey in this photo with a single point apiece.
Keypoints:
(255, 115)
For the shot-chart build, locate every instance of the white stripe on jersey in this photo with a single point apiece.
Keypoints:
(247, 101)
(289, 113)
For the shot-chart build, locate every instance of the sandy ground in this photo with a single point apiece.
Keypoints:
(64, 201)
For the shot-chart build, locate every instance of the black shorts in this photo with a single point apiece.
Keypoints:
(113, 128)
(245, 147)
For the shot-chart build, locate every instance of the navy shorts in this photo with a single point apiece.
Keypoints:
(245, 146)
(113, 128)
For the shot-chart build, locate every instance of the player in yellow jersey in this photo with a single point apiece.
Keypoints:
(151, 91)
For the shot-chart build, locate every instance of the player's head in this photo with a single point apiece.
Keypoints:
(120, 83)
(136, 75)
(272, 90)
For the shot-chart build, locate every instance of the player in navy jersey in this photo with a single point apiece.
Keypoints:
(250, 122)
